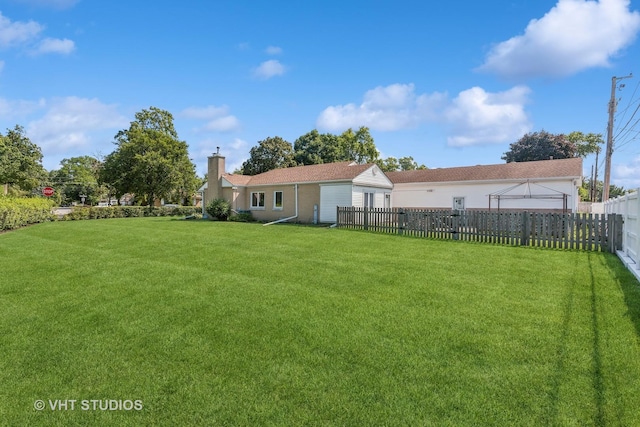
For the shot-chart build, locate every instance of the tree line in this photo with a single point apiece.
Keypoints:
(152, 162)
(149, 161)
(315, 148)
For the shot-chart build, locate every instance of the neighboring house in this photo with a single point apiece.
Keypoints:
(307, 194)
(547, 185)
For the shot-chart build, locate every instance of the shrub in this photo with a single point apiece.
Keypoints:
(18, 212)
(243, 217)
(219, 209)
(128, 212)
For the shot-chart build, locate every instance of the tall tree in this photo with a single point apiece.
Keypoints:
(78, 176)
(408, 164)
(390, 164)
(315, 148)
(20, 161)
(586, 144)
(150, 160)
(310, 149)
(358, 146)
(540, 146)
(269, 154)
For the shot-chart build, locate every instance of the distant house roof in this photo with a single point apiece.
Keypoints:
(341, 171)
(560, 168)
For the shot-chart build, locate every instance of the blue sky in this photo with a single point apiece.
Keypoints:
(449, 83)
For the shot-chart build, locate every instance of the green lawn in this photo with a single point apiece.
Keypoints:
(211, 323)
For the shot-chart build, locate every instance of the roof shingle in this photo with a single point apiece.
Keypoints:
(559, 168)
(312, 173)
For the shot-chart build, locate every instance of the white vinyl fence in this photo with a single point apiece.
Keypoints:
(629, 207)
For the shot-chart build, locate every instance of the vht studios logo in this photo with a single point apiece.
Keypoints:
(88, 405)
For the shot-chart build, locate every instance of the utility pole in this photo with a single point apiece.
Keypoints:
(612, 111)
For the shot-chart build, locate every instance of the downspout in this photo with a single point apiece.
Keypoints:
(291, 217)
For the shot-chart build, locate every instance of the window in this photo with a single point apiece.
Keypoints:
(277, 200)
(368, 199)
(458, 203)
(257, 200)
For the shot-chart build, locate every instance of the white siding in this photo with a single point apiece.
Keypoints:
(476, 194)
(373, 177)
(358, 196)
(332, 196)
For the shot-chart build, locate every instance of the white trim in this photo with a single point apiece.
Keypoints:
(281, 207)
(257, 208)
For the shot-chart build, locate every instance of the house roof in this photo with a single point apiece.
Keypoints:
(235, 179)
(560, 168)
(341, 171)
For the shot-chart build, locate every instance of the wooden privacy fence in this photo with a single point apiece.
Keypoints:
(592, 232)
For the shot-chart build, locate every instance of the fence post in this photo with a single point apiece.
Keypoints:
(619, 233)
(365, 219)
(455, 224)
(401, 221)
(526, 229)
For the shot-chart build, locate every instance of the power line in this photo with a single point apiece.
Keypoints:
(628, 133)
(609, 150)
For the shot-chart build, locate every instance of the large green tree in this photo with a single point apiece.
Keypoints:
(271, 153)
(358, 146)
(78, 176)
(391, 164)
(315, 148)
(540, 146)
(590, 143)
(150, 160)
(20, 161)
(311, 148)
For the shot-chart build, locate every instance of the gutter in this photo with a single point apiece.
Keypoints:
(291, 217)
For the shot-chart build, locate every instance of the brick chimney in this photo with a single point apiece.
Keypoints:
(215, 170)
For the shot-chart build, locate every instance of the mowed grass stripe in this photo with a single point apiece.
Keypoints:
(226, 323)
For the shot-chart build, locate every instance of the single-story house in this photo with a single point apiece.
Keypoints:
(546, 185)
(307, 194)
(311, 194)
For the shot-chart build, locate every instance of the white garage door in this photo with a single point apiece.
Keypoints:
(332, 196)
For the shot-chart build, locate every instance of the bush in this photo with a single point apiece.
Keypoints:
(243, 217)
(18, 212)
(219, 209)
(128, 212)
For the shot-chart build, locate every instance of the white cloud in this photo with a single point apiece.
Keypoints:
(70, 123)
(61, 46)
(27, 34)
(222, 124)
(478, 117)
(627, 175)
(573, 36)
(385, 108)
(268, 69)
(473, 117)
(273, 50)
(218, 118)
(19, 109)
(17, 33)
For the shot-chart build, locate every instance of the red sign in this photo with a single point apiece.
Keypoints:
(47, 191)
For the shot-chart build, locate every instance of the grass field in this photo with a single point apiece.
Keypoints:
(208, 323)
